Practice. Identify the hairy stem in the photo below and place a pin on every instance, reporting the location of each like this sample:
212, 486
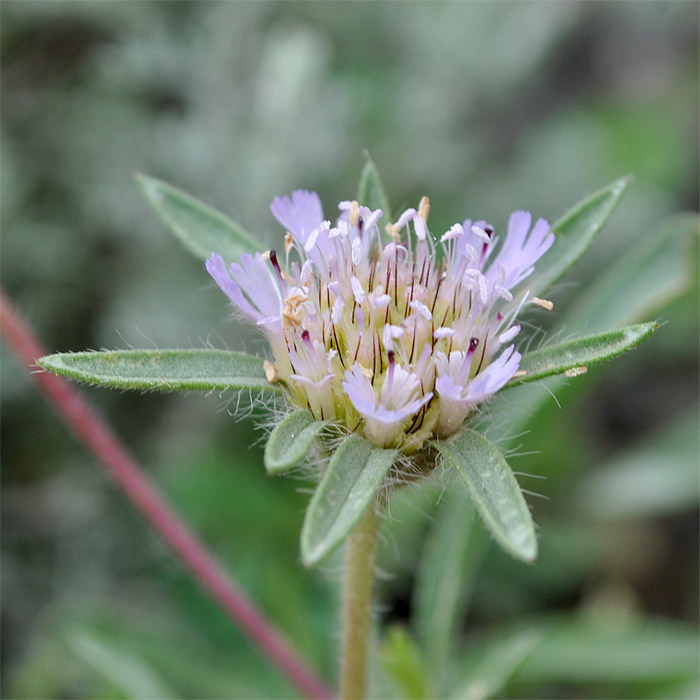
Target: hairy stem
357, 599
98, 438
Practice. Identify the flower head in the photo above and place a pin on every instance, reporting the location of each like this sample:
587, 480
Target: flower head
390, 333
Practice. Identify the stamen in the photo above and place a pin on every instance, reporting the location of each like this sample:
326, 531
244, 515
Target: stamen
394, 231
271, 372
354, 213
544, 303
390, 372
424, 208
288, 242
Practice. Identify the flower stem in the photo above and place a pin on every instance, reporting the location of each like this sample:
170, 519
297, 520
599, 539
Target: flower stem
98, 438
357, 599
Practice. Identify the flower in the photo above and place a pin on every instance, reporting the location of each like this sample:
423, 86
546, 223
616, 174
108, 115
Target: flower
391, 333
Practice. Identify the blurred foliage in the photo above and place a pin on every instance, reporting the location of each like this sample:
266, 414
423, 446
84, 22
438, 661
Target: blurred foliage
485, 107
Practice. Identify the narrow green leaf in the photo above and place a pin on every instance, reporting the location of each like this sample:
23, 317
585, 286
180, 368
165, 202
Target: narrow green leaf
596, 649
201, 228
290, 441
494, 492
126, 671
652, 273
498, 662
657, 476
371, 191
353, 476
165, 370
402, 660
447, 568
576, 356
575, 231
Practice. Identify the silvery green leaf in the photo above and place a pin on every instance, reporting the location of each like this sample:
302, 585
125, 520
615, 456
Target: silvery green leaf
494, 492
165, 370
575, 231
354, 474
575, 356
201, 228
290, 441
371, 191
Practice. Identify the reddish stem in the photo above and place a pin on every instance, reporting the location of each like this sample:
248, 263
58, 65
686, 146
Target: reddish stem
80, 416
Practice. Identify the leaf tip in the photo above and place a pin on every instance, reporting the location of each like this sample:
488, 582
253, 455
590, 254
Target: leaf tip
529, 552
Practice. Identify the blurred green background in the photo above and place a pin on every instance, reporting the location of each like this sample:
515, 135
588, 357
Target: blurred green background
485, 107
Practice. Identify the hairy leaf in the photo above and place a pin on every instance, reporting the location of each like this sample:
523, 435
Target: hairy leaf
290, 441
575, 356
201, 228
494, 492
165, 370
575, 231
352, 478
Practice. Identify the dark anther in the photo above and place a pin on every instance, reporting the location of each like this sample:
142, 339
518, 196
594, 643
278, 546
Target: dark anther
473, 344
488, 230
273, 260
305, 336
391, 356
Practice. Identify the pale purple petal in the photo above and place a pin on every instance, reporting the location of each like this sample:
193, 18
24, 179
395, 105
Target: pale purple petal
446, 387
495, 376
256, 278
360, 391
300, 214
521, 249
388, 416
216, 267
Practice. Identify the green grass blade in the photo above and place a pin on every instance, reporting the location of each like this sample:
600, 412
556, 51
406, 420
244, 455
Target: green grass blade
354, 474
201, 228
165, 370
290, 441
576, 356
494, 492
